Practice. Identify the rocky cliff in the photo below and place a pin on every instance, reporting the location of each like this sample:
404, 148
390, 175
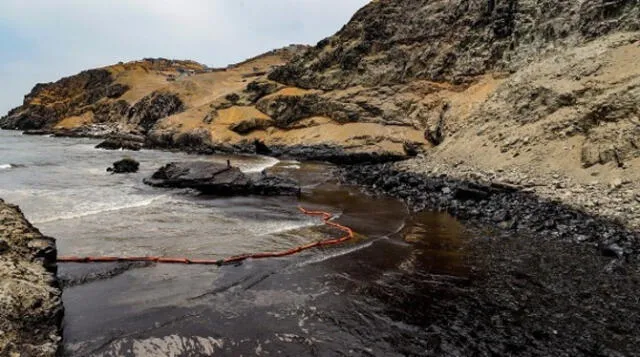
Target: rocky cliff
390, 42
104, 95
511, 75
30, 298
499, 83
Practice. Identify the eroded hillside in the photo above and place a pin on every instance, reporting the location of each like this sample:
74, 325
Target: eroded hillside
496, 83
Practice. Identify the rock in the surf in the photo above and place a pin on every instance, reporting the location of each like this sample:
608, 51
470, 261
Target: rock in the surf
220, 179
270, 185
124, 142
124, 166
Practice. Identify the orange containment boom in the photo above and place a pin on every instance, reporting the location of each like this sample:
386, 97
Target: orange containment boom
326, 217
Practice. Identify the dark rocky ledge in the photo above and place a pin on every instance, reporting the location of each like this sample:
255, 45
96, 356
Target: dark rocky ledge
30, 298
220, 179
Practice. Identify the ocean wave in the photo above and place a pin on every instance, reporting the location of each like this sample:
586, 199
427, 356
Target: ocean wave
172, 345
86, 213
324, 257
10, 166
260, 166
294, 167
262, 228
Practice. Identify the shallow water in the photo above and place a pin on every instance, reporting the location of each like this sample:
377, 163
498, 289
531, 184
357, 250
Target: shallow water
356, 299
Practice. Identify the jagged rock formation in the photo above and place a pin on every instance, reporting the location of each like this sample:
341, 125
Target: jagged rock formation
220, 179
153, 107
390, 42
30, 298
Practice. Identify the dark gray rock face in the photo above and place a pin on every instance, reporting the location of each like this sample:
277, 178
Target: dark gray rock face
124, 166
116, 90
30, 298
394, 41
110, 112
196, 141
155, 106
288, 110
219, 179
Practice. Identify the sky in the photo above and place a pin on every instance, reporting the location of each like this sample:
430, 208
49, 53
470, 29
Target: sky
45, 40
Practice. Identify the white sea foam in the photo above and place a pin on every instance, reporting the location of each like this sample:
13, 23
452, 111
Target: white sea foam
263, 228
265, 163
172, 345
5, 166
323, 257
295, 167
101, 208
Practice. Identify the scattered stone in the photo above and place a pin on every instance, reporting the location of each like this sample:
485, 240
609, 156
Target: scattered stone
615, 184
504, 206
124, 166
615, 266
612, 250
467, 193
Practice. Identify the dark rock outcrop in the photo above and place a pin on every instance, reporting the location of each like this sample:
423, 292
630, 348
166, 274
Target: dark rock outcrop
30, 298
219, 179
116, 90
124, 166
155, 106
246, 126
122, 141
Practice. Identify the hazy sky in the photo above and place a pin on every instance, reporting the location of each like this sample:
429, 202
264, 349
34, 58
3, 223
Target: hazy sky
44, 40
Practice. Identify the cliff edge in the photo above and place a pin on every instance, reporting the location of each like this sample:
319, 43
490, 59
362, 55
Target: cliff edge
30, 298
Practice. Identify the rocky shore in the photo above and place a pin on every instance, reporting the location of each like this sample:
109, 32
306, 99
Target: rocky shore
552, 276
30, 298
544, 208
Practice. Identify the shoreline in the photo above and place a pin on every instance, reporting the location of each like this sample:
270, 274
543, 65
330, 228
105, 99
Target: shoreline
326, 153
617, 201
521, 223
506, 207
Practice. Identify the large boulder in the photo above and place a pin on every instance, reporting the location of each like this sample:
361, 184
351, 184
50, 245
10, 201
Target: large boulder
124, 166
219, 179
